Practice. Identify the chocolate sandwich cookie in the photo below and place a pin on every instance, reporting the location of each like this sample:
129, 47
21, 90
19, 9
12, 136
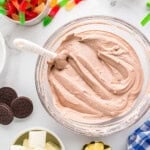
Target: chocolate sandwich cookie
6, 114
7, 94
22, 107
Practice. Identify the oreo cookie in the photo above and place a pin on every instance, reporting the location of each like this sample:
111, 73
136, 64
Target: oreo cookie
7, 94
22, 107
6, 114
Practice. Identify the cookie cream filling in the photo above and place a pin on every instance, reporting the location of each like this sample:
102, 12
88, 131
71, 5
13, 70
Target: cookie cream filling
96, 76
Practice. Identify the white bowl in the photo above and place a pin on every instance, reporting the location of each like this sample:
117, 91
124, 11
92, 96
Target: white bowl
2, 53
51, 135
35, 20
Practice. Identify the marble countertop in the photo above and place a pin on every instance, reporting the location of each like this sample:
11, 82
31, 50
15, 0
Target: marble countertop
20, 69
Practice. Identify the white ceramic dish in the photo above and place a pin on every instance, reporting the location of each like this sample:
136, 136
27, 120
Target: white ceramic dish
2, 53
51, 136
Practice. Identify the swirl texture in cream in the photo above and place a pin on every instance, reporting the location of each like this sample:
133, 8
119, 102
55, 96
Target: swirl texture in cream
96, 76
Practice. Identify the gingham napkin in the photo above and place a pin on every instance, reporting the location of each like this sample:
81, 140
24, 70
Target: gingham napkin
140, 138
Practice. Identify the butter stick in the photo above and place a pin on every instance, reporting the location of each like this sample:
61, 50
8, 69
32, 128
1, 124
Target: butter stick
17, 147
37, 139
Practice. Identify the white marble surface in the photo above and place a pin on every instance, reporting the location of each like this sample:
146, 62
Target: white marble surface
20, 67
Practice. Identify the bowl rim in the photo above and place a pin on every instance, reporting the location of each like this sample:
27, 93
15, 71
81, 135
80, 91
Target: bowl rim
87, 18
2, 41
41, 129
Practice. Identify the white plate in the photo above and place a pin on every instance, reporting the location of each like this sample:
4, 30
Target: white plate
2, 53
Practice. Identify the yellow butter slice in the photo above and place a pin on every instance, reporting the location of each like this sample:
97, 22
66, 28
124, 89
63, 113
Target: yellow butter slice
52, 146
26, 143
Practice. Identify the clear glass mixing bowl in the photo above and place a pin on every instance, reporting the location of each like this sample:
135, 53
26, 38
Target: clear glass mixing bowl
134, 37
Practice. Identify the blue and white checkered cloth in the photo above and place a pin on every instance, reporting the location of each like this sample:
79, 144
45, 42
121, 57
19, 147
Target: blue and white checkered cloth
140, 138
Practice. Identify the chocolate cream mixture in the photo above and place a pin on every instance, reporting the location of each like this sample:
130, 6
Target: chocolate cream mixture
96, 76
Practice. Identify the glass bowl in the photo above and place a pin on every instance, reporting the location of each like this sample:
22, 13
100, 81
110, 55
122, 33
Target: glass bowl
134, 37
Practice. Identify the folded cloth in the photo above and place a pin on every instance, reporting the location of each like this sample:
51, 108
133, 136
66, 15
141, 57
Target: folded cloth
140, 138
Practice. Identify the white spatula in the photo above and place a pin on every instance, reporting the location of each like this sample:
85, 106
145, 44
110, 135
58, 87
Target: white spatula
25, 45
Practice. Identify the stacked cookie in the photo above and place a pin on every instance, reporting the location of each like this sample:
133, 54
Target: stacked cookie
11, 105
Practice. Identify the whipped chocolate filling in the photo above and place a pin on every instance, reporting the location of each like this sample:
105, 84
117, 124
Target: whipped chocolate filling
96, 76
